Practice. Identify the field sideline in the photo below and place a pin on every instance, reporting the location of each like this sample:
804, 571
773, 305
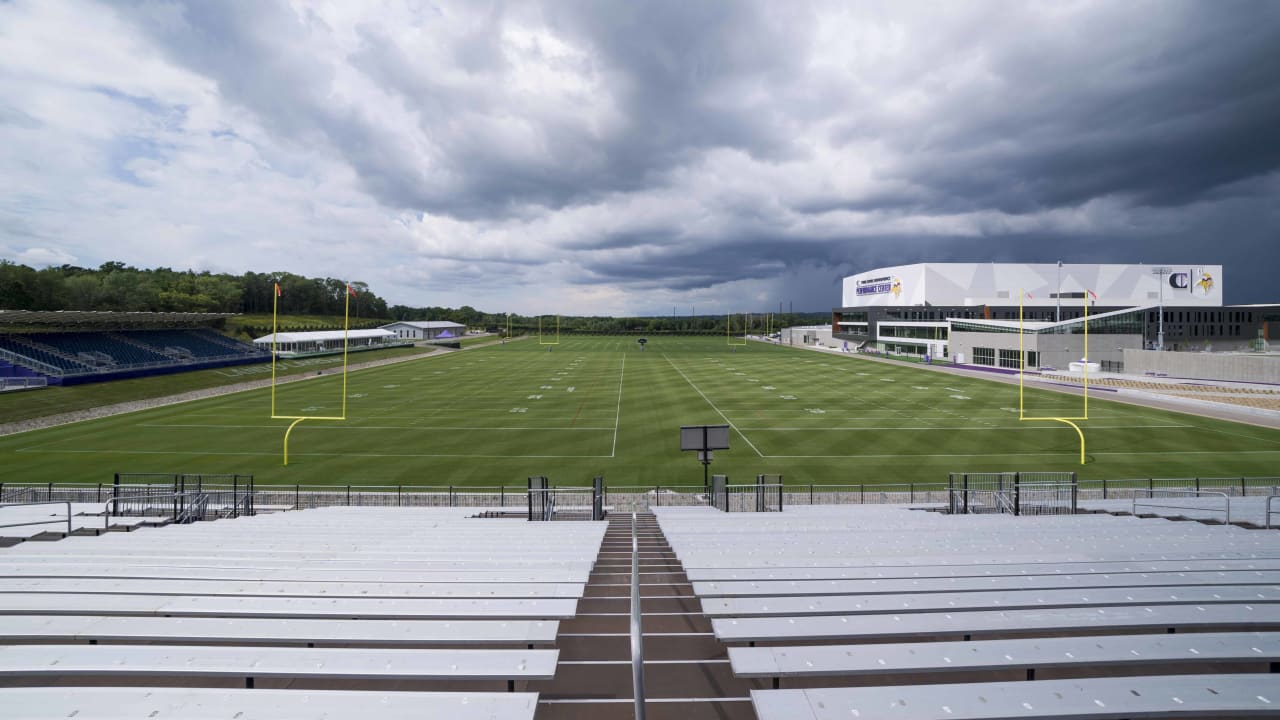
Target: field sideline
497, 414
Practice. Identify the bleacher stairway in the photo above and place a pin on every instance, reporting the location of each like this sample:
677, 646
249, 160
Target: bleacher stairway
686, 670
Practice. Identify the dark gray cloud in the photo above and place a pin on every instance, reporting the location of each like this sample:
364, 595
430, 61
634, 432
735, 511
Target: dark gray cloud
679, 149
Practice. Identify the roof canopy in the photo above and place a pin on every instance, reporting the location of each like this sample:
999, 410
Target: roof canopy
427, 324
322, 336
89, 318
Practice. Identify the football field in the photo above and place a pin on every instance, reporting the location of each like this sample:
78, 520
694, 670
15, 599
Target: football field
598, 405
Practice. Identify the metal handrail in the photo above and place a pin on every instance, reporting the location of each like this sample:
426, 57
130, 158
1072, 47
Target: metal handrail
1269, 510
1226, 500
1004, 501
42, 522
197, 505
106, 516
30, 362
637, 639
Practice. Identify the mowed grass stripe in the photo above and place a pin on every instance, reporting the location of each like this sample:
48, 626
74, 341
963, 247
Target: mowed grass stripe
468, 418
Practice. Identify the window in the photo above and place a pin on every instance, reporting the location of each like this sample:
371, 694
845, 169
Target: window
1033, 358
1010, 359
984, 356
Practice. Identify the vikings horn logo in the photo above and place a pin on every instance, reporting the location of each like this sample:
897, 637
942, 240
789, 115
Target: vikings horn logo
897, 288
1205, 283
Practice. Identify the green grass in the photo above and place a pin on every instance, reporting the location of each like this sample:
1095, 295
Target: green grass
26, 405
497, 414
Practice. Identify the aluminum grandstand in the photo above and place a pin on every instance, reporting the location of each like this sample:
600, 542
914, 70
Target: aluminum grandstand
682, 612
69, 347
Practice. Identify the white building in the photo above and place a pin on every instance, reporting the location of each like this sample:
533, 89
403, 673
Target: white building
426, 329
325, 342
970, 312
1040, 285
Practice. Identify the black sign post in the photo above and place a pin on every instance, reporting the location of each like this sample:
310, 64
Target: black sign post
704, 439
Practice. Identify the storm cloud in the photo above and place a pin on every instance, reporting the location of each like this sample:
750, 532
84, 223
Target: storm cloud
622, 157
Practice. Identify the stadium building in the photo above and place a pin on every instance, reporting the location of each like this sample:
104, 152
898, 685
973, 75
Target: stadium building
426, 329
970, 313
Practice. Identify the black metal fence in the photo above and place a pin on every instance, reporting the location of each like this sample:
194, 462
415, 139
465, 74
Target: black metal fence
546, 502
764, 495
1014, 493
246, 496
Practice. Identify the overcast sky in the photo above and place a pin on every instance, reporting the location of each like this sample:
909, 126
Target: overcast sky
594, 157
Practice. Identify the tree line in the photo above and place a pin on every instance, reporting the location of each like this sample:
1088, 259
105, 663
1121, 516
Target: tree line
114, 286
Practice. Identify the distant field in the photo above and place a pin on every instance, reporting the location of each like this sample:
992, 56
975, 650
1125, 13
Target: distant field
16, 406
592, 406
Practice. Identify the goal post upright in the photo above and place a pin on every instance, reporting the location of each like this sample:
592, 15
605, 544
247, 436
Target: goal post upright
1022, 363
541, 340
346, 344
728, 331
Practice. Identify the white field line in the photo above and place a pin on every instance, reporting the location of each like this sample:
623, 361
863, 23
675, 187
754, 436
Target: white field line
713, 406
366, 427
1036, 454
117, 451
956, 429
617, 418
1234, 434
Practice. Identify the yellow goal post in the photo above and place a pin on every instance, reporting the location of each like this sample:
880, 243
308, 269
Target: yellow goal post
275, 332
1022, 362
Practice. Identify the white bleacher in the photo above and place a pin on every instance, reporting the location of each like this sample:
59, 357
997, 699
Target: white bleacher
761, 606
276, 662
411, 595
1148, 618
992, 567
1164, 696
275, 588
1250, 509
52, 519
101, 703
912, 596
287, 607
893, 586
37, 568
1027, 653
289, 631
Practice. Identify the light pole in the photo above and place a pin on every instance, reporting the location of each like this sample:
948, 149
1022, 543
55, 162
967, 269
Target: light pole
1057, 316
1160, 272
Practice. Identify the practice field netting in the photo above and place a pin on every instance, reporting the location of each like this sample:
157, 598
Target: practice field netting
599, 406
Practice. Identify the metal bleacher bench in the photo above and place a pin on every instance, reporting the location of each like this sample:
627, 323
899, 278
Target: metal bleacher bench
287, 607
907, 625
272, 588
274, 631
891, 586
1024, 653
974, 569
1161, 696
982, 600
185, 661
12, 568
93, 703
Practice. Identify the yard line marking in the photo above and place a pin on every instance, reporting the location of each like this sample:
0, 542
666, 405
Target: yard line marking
35, 451
367, 427
713, 405
954, 429
617, 418
1034, 454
